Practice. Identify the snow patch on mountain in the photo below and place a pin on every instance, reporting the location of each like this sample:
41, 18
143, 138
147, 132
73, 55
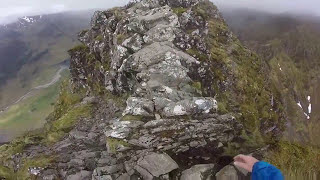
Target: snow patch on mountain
307, 114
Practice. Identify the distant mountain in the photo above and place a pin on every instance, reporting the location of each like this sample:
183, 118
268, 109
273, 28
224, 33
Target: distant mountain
22, 22
290, 44
32, 48
33, 38
33, 54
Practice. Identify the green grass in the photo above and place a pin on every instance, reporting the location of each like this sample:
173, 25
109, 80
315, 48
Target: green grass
131, 118
295, 160
65, 124
80, 47
99, 38
67, 111
40, 161
121, 38
30, 113
179, 11
239, 82
113, 144
6, 173
197, 54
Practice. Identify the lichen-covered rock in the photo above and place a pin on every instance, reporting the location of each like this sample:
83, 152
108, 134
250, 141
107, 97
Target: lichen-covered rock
139, 106
133, 43
166, 110
190, 107
198, 172
158, 164
230, 173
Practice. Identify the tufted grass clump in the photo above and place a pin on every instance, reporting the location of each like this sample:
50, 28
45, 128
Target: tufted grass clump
197, 85
6, 173
114, 144
80, 47
205, 9
99, 38
121, 38
131, 118
67, 112
239, 81
65, 124
39, 161
295, 160
179, 10
197, 54
66, 100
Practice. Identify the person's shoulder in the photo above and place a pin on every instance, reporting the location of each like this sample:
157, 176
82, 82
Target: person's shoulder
264, 170
260, 165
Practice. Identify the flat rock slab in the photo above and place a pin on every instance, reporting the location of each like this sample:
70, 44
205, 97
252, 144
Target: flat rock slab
197, 172
158, 164
231, 173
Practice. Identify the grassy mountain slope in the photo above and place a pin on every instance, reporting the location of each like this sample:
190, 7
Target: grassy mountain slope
290, 44
41, 52
237, 78
30, 54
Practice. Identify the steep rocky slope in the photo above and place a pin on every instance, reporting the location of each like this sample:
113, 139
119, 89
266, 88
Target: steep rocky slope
36, 38
160, 89
32, 51
290, 45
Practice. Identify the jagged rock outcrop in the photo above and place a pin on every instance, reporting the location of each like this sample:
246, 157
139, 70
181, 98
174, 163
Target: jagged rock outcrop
165, 111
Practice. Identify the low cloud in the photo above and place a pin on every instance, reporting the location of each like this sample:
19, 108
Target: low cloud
11, 9
274, 6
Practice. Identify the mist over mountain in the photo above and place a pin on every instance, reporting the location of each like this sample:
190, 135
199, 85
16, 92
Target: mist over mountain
30, 39
272, 6
33, 61
163, 89
290, 44
12, 10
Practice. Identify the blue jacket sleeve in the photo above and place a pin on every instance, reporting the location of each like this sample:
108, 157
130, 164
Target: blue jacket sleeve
265, 171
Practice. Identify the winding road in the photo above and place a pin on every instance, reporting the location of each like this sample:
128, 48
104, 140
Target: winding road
54, 80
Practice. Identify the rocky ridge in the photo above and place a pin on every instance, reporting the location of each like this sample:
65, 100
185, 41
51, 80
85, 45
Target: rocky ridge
164, 112
169, 127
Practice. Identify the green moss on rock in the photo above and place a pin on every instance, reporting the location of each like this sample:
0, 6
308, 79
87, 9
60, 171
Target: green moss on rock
197, 85
39, 161
6, 173
131, 118
197, 54
179, 11
99, 38
67, 112
65, 124
239, 79
80, 47
121, 38
113, 144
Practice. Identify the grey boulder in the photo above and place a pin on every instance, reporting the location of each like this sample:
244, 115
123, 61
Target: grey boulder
158, 164
197, 172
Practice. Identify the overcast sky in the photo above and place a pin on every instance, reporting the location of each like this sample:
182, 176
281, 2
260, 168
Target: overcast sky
14, 8
275, 6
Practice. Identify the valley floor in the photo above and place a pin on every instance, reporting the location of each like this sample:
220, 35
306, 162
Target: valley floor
30, 110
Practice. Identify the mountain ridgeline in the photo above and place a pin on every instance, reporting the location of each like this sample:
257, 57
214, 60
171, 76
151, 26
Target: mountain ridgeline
290, 45
35, 38
159, 89
33, 50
